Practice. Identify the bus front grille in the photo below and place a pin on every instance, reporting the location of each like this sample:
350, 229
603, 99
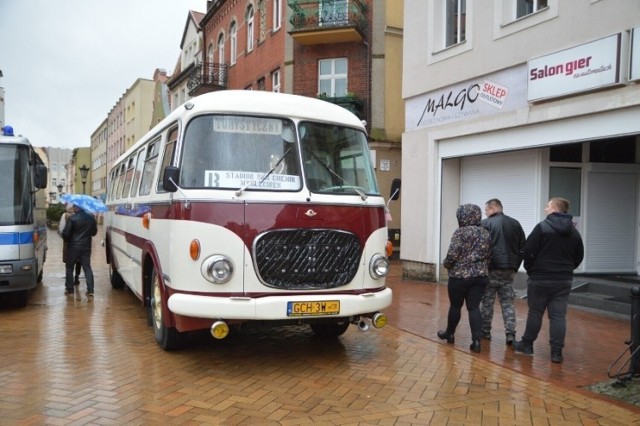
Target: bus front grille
306, 259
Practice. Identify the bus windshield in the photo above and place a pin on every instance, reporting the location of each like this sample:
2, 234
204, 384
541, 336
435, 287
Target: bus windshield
233, 152
15, 199
261, 153
336, 159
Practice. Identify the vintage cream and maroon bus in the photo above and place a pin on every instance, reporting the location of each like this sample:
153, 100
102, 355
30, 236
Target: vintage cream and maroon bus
248, 206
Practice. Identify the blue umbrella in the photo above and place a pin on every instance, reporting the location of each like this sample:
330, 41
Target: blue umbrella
85, 202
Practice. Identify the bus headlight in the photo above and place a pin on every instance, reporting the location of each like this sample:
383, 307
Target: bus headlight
378, 266
218, 269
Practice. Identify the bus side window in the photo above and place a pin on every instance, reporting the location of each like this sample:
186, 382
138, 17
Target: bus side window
167, 159
137, 173
128, 177
119, 180
149, 167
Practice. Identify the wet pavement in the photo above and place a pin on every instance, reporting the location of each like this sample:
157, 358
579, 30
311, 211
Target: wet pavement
67, 360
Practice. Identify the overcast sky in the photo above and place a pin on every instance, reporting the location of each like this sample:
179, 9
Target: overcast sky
66, 63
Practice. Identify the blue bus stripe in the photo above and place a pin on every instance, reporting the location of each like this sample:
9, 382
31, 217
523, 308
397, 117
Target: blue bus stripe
12, 238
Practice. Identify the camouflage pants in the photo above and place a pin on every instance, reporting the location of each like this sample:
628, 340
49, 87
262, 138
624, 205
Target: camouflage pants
500, 283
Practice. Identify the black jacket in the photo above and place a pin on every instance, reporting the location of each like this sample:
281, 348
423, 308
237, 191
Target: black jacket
79, 230
507, 241
554, 249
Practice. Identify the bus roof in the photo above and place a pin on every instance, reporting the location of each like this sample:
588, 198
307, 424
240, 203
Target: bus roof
17, 140
255, 102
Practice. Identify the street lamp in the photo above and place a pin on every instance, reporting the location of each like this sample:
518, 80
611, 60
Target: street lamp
51, 195
84, 170
60, 188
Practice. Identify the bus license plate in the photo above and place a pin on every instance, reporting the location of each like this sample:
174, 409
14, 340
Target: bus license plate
321, 307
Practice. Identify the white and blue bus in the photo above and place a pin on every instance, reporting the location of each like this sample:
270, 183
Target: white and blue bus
23, 219
248, 206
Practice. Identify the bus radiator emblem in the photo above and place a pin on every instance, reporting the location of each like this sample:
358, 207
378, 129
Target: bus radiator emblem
310, 213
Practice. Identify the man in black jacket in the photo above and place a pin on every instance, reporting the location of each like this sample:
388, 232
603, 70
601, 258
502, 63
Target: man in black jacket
80, 228
552, 252
507, 248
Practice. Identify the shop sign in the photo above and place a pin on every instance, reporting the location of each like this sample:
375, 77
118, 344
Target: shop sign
586, 67
634, 68
501, 91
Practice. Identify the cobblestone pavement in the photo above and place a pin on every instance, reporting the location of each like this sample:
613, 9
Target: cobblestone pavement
70, 361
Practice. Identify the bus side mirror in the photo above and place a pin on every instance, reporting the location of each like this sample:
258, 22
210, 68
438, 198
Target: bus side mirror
40, 176
395, 189
170, 178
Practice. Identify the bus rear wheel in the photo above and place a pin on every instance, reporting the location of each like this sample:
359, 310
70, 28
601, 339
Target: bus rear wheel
330, 329
168, 338
114, 276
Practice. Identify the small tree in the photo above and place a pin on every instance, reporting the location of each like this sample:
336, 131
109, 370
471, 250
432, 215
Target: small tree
54, 212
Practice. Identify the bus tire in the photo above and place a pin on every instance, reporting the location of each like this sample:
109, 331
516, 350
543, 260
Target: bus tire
330, 329
116, 279
168, 338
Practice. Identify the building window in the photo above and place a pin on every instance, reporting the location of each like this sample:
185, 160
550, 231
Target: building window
221, 49
275, 81
249, 20
277, 14
332, 78
262, 10
210, 53
455, 17
527, 7
233, 42
334, 12
261, 84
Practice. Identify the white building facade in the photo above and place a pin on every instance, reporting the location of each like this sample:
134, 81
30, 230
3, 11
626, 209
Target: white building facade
522, 100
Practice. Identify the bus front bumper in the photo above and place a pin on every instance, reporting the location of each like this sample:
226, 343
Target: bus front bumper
275, 307
22, 275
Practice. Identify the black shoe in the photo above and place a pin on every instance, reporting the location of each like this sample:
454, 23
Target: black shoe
475, 346
556, 356
486, 335
68, 291
511, 338
77, 281
523, 347
445, 335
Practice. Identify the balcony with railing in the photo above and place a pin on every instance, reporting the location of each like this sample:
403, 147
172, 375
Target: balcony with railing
349, 101
207, 77
327, 21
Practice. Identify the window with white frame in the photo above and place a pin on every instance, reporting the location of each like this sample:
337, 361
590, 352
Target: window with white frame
277, 14
275, 81
215, 72
527, 7
332, 77
250, 30
455, 22
233, 42
210, 53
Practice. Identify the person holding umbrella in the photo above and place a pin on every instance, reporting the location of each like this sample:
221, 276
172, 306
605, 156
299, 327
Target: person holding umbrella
78, 232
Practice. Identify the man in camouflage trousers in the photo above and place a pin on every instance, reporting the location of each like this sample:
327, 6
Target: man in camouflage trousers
507, 248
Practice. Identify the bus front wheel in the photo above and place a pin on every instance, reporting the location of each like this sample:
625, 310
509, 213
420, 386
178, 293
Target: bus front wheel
168, 338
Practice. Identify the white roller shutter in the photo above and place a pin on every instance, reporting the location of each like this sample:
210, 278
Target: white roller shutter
512, 177
611, 222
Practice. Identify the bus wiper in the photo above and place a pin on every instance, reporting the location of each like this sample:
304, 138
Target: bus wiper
341, 179
275, 166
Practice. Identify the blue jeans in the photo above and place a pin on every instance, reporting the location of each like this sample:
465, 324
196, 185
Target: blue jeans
469, 291
84, 257
552, 296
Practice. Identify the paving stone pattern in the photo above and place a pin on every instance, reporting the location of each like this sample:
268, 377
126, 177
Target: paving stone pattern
66, 360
